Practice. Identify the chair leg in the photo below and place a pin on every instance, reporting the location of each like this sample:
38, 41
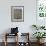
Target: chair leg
5, 43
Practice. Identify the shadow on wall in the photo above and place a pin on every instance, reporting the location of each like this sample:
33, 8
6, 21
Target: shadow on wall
3, 33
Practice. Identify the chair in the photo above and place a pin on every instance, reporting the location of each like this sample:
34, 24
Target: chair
14, 32
7, 35
25, 36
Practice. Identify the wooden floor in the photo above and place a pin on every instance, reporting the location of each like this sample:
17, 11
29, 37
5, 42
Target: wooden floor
13, 44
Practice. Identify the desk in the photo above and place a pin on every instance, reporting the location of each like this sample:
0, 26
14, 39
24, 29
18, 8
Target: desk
17, 43
8, 34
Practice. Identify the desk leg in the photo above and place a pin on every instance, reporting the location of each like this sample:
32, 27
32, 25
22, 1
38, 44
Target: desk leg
17, 40
5, 40
5, 43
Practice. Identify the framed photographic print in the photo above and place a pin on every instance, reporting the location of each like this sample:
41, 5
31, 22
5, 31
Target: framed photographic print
17, 13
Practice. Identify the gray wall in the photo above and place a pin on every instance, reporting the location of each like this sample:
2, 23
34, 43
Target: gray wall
29, 15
